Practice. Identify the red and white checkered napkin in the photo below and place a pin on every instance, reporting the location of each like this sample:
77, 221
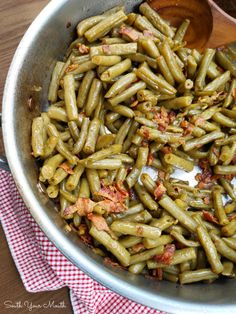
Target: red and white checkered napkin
42, 267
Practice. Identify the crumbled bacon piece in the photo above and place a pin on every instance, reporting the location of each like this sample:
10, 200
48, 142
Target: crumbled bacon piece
163, 119
137, 248
206, 200
234, 93
131, 33
233, 217
209, 217
146, 133
99, 222
150, 159
166, 149
199, 121
159, 191
140, 230
71, 67
66, 168
112, 207
106, 49
82, 48
234, 160
215, 151
167, 256
83, 206
158, 273
161, 174
187, 126
109, 261
148, 33
113, 192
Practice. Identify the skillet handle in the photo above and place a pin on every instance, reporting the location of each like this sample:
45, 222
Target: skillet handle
3, 160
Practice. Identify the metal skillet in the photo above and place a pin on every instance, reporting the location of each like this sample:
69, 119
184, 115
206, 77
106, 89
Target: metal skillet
45, 41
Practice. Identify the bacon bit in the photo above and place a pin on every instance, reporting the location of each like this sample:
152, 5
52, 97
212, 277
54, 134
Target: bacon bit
209, 217
144, 143
187, 126
148, 33
229, 177
109, 261
134, 104
66, 168
83, 206
137, 248
234, 160
121, 189
163, 119
131, 33
206, 200
99, 222
106, 49
161, 174
171, 116
199, 121
167, 256
140, 231
215, 151
82, 229
232, 217
204, 164
234, 93
113, 192
71, 67
159, 191
150, 159
166, 149
146, 133
82, 48
158, 273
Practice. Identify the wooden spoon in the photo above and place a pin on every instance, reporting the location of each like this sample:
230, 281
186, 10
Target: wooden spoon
210, 26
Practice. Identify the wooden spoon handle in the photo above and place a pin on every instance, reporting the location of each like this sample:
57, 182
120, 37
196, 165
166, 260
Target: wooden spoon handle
224, 27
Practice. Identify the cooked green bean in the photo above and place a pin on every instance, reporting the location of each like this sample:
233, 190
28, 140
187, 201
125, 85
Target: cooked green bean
179, 257
145, 197
85, 88
82, 136
143, 24
181, 31
152, 243
121, 84
197, 275
70, 99
204, 65
153, 80
74, 178
104, 26
165, 71
209, 249
54, 84
116, 70
225, 170
93, 180
230, 229
198, 142
146, 255
218, 82
137, 268
37, 140
156, 20
127, 94
114, 49
225, 62
223, 248
185, 220
219, 209
93, 131
173, 66
111, 245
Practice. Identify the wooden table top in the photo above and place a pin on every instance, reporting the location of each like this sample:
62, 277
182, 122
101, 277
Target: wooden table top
15, 17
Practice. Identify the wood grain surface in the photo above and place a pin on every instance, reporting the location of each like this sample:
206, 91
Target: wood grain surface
15, 17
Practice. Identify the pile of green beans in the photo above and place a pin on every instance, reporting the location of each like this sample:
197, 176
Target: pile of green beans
129, 96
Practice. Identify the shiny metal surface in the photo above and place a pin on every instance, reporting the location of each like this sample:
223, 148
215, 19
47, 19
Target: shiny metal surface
45, 41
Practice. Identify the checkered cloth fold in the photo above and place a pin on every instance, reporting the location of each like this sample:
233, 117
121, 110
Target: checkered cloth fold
42, 267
